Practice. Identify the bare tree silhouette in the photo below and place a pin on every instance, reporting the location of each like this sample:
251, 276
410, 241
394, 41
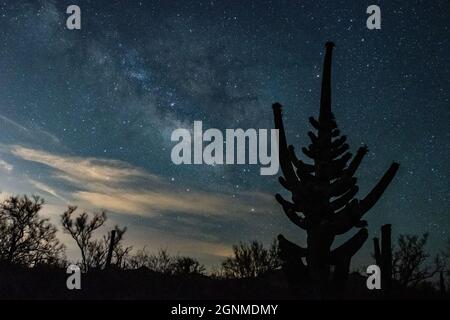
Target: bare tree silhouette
121, 255
323, 193
409, 259
94, 252
25, 237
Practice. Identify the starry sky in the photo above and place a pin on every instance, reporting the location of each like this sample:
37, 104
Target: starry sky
86, 115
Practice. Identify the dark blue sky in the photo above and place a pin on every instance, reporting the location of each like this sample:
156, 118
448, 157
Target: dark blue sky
86, 115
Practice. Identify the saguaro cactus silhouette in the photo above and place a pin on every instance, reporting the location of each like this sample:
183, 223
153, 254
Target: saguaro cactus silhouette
383, 257
112, 243
323, 194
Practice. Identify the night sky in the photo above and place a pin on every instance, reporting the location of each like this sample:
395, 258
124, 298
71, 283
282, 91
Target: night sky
86, 115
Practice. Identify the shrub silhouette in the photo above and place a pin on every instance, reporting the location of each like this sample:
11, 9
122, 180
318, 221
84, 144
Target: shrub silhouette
164, 263
250, 260
161, 262
137, 260
188, 265
323, 192
25, 237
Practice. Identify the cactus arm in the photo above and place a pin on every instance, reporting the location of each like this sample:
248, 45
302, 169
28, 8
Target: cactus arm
289, 248
342, 161
344, 199
345, 219
341, 186
341, 258
314, 123
289, 210
285, 163
338, 142
298, 187
377, 251
386, 258
307, 152
293, 266
285, 184
312, 137
336, 167
369, 201
339, 151
354, 164
325, 115
335, 133
299, 164
350, 247
304, 176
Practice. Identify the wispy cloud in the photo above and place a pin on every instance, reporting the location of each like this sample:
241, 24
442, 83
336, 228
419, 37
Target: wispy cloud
120, 187
155, 202
159, 212
45, 188
83, 169
14, 123
33, 133
6, 166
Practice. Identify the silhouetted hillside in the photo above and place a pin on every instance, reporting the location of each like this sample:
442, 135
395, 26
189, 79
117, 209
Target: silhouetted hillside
50, 283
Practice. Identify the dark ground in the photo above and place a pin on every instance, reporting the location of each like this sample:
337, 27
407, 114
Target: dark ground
50, 283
